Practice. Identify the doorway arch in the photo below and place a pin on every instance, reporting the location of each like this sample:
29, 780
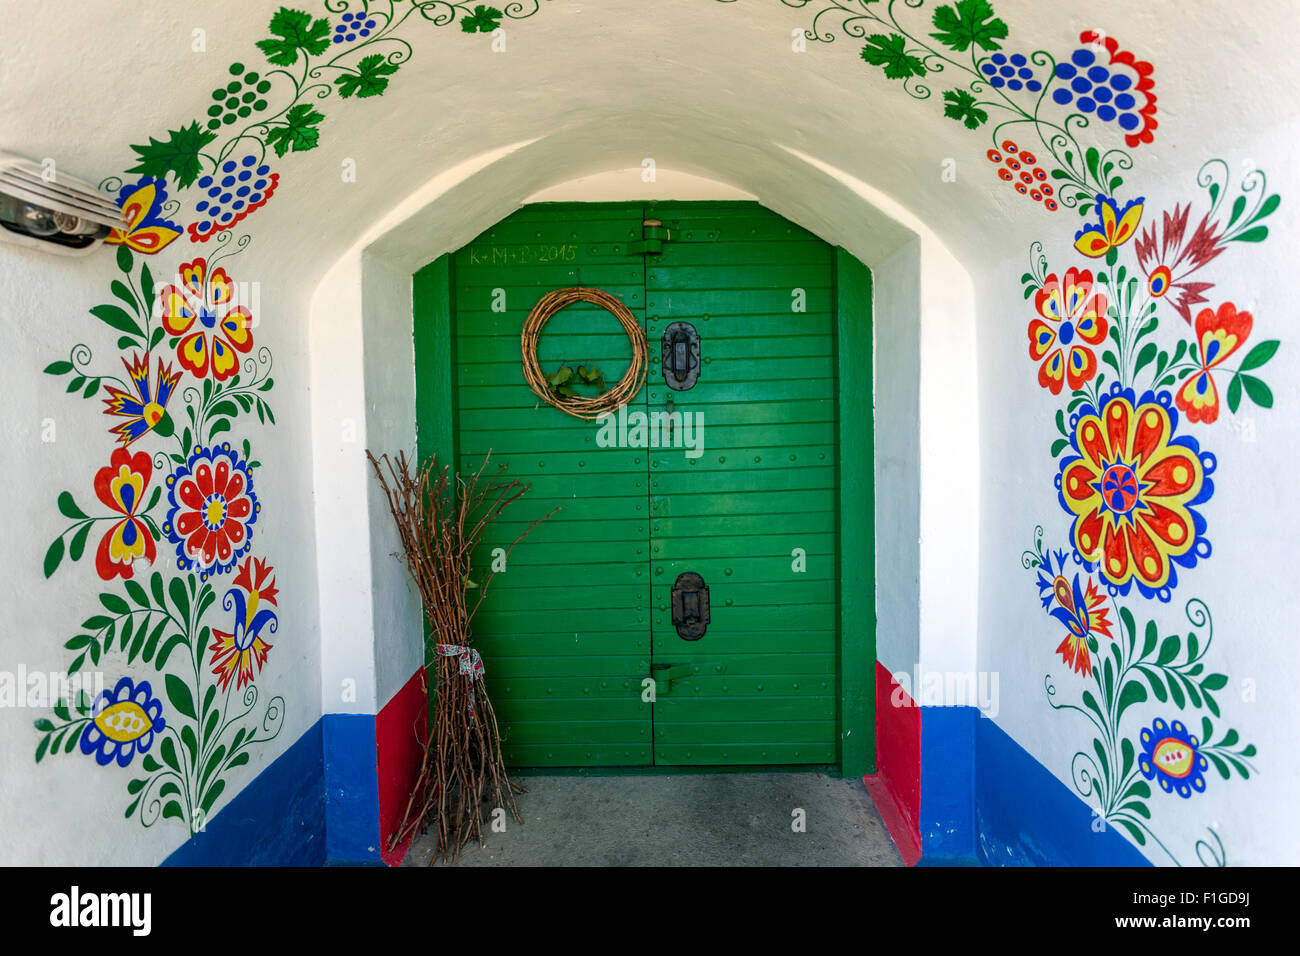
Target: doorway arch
363, 375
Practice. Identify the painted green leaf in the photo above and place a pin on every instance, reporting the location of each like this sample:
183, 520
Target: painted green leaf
890, 52
1234, 394
53, 556
124, 259
114, 603
151, 644
967, 22
294, 30
1168, 649
213, 762
1176, 691
191, 743
1259, 393
58, 368
168, 751
212, 795
1134, 831
1102, 762
299, 132
1256, 234
136, 593
42, 747
180, 597
1149, 639
166, 651
1133, 693
1059, 446
1260, 354
371, 78
1215, 682
960, 105
484, 19
150, 764
117, 318
179, 155
179, 695
173, 810
1157, 685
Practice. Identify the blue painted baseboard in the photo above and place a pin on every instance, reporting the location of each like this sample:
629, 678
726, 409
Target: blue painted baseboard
1028, 817
351, 790
986, 801
948, 755
277, 820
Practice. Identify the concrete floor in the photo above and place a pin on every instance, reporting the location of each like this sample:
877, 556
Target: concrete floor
712, 819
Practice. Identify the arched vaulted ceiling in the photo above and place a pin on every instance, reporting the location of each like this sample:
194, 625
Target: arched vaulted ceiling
705, 86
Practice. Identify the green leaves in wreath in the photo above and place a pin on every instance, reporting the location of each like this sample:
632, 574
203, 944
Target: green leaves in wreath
294, 31
299, 132
890, 52
563, 380
969, 22
484, 19
960, 105
178, 155
369, 79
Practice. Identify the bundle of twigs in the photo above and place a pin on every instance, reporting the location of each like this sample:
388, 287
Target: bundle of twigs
441, 518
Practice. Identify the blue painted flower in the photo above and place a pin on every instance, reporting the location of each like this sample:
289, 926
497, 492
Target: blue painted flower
1081, 610
1171, 756
212, 511
1133, 488
1012, 72
123, 721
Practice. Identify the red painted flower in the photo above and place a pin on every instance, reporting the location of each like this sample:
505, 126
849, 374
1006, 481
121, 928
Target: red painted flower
1071, 309
242, 652
212, 510
1082, 611
1218, 335
1167, 257
223, 330
121, 486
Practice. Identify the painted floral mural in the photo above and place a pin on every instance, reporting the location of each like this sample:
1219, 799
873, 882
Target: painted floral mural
1126, 322
1128, 329
191, 600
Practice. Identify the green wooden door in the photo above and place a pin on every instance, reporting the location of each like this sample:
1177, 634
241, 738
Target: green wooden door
755, 513
581, 616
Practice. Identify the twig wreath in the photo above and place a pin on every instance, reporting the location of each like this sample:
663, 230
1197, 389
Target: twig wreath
578, 405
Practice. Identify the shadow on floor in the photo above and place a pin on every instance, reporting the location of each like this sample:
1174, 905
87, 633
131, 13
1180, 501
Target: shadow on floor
720, 819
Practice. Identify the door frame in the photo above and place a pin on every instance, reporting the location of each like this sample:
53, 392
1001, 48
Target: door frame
435, 404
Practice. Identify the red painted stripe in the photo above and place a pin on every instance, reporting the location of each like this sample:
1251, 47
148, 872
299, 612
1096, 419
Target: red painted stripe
895, 788
399, 729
